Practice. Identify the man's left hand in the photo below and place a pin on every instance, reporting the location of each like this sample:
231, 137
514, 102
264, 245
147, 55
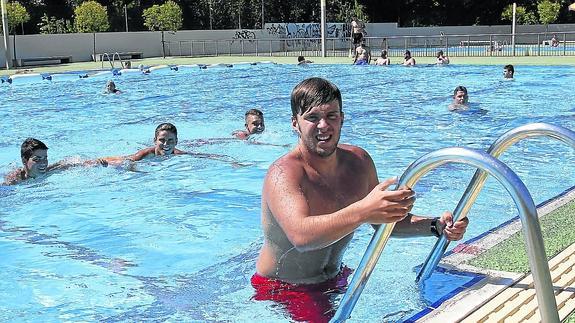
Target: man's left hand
453, 231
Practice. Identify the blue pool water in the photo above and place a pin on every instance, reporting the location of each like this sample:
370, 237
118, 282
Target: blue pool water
176, 240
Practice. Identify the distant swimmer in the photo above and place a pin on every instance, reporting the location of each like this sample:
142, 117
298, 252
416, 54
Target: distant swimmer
407, 59
111, 88
442, 59
383, 60
460, 99
254, 119
34, 156
508, 71
302, 61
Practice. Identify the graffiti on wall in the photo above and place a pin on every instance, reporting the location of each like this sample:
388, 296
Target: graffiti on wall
245, 34
299, 31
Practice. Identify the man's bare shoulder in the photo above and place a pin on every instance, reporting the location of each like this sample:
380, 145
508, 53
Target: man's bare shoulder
289, 165
354, 152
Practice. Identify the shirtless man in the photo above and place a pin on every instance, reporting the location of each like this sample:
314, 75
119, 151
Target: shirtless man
254, 124
508, 71
357, 31
313, 200
442, 59
362, 55
383, 60
34, 155
460, 99
407, 59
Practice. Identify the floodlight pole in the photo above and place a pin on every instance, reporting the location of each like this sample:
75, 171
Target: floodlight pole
6, 35
126, 15
513, 29
322, 28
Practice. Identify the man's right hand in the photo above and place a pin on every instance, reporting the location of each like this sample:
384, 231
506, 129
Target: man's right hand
383, 206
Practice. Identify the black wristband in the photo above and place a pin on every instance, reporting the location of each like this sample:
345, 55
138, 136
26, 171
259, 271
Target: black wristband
434, 228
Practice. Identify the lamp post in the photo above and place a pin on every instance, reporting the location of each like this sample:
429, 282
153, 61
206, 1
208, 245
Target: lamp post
263, 14
7, 53
322, 5
126, 15
513, 29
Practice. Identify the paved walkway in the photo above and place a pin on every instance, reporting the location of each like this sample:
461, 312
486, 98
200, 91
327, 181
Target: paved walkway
518, 302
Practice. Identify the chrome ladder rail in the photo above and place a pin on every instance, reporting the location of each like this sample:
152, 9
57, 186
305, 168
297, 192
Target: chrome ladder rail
522, 199
119, 59
478, 180
109, 60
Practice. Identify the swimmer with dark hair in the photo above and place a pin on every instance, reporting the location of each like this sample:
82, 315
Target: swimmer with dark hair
165, 141
34, 156
460, 99
111, 88
254, 124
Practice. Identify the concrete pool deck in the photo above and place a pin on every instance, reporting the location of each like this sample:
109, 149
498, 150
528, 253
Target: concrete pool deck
84, 66
507, 293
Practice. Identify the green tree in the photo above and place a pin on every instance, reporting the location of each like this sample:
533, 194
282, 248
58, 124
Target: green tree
548, 11
163, 17
17, 15
520, 12
91, 17
51, 25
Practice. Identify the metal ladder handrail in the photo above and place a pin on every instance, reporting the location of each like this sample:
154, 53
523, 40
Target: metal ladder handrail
522, 199
478, 180
119, 58
102, 59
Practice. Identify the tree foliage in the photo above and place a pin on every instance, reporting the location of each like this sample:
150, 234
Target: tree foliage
17, 14
227, 14
163, 17
91, 17
548, 11
52, 25
522, 15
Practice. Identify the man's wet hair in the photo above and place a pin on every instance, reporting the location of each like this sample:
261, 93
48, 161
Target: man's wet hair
439, 53
165, 127
509, 67
407, 53
300, 58
460, 88
254, 112
383, 54
28, 147
313, 92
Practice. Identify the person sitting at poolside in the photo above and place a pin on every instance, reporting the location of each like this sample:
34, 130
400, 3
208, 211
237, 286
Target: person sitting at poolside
383, 60
302, 61
111, 88
554, 41
442, 59
254, 124
508, 71
407, 59
362, 55
460, 99
313, 200
34, 156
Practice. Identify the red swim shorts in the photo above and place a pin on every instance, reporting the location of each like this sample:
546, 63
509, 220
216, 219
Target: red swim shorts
303, 302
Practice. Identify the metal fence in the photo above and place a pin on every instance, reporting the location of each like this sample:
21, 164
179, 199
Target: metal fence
477, 45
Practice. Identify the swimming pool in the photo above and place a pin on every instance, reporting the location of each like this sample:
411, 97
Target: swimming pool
176, 240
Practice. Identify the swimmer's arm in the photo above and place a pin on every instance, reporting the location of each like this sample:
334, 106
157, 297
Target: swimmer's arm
240, 134
141, 154
13, 177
